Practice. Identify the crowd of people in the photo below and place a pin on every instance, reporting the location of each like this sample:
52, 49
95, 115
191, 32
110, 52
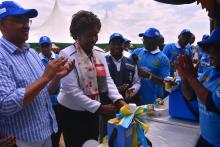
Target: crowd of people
76, 91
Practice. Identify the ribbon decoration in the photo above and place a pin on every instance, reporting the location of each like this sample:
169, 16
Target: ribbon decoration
126, 117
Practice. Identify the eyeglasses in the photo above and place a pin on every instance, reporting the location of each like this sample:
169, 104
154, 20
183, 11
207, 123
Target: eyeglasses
19, 20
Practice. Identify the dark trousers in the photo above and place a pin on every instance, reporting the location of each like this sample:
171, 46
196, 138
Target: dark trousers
78, 126
55, 137
103, 122
103, 119
203, 143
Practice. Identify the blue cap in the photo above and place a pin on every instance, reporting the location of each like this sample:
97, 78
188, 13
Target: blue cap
152, 33
126, 40
205, 36
214, 37
116, 35
44, 40
10, 8
185, 31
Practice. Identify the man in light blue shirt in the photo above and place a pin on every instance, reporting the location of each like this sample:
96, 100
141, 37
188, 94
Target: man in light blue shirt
153, 66
47, 55
173, 50
26, 111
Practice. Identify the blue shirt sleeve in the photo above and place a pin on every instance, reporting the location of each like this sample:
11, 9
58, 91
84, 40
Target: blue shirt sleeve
189, 50
167, 50
136, 52
213, 101
165, 67
11, 97
216, 97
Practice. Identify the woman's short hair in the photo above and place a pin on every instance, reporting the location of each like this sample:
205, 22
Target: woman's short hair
81, 21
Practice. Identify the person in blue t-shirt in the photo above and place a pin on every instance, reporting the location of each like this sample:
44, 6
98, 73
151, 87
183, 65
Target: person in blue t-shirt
204, 61
173, 50
198, 49
46, 55
153, 66
207, 89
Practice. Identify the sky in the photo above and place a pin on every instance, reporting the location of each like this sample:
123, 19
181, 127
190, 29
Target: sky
128, 17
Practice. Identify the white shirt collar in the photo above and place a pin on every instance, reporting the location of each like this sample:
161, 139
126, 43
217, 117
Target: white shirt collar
155, 51
53, 56
125, 53
178, 45
118, 61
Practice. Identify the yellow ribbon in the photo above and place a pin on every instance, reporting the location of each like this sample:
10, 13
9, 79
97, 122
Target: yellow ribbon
140, 111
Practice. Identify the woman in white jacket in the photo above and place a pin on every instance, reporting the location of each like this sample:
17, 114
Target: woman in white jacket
81, 90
